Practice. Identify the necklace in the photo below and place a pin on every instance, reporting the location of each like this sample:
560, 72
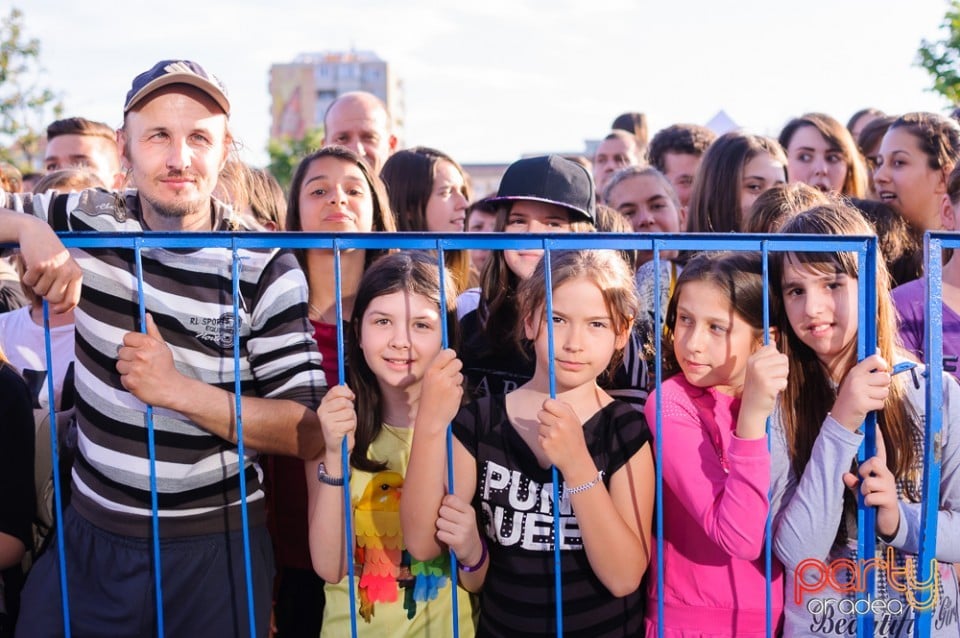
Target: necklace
315, 310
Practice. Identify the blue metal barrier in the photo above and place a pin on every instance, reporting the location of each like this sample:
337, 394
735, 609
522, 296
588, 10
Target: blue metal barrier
866, 247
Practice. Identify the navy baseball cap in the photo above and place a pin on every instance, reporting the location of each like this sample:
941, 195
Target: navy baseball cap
553, 180
167, 72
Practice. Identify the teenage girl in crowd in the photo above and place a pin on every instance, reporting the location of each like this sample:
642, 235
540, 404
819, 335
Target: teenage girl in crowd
537, 194
716, 467
822, 153
503, 451
396, 328
910, 300
332, 191
735, 170
868, 141
917, 154
819, 428
647, 199
428, 192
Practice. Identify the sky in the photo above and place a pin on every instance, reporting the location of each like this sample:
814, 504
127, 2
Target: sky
488, 81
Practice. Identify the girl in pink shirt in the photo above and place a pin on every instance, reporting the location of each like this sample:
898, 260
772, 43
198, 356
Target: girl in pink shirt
715, 461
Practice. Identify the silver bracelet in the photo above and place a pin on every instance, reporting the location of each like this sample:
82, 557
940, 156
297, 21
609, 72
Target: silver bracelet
570, 491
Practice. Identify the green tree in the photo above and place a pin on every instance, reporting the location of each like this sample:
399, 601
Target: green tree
286, 153
25, 108
941, 58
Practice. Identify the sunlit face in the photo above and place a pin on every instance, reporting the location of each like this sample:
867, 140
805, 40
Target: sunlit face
532, 217
649, 207
96, 154
813, 160
584, 339
760, 174
822, 311
680, 169
480, 222
175, 145
400, 335
710, 340
611, 156
335, 197
447, 206
360, 123
905, 180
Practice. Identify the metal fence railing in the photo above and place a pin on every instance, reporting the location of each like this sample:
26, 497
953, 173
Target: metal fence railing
866, 247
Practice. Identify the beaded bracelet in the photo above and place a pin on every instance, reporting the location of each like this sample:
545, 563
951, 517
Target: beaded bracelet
483, 558
586, 486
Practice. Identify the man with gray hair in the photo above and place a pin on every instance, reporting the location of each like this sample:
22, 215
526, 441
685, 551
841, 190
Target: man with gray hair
174, 141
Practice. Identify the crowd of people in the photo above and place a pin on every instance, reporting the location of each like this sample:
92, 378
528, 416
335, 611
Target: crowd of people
550, 397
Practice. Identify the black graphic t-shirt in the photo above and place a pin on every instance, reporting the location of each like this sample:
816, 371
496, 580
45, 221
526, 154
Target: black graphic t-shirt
515, 500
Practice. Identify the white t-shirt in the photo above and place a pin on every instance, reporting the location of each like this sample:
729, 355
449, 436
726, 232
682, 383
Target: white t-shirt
23, 342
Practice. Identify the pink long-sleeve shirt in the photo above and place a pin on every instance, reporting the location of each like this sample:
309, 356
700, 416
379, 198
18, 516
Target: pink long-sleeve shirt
715, 504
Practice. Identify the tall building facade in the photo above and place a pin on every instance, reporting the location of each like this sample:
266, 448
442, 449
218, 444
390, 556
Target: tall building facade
302, 90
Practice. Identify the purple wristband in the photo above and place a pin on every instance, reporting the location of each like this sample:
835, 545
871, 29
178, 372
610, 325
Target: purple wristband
483, 558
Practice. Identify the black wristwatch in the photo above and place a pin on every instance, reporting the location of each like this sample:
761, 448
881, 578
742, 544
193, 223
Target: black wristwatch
325, 478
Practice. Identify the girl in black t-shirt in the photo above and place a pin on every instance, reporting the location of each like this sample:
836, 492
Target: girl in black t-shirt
499, 520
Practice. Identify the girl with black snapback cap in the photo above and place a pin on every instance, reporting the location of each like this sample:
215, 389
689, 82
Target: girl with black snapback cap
537, 194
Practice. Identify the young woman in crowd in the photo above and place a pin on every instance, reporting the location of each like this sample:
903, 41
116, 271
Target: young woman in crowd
716, 465
647, 199
822, 153
502, 455
332, 190
868, 141
537, 194
428, 192
396, 334
910, 299
916, 156
734, 172
819, 429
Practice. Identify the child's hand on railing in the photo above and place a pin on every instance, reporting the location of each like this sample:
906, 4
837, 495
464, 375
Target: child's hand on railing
441, 392
863, 390
765, 377
338, 418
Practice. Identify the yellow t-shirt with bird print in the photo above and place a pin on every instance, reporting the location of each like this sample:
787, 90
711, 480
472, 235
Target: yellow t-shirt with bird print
396, 596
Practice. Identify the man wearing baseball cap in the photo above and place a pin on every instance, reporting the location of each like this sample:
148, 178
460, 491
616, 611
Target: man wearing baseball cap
174, 142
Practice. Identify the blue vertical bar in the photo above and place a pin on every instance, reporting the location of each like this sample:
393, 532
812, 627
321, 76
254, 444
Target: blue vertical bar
445, 343
152, 450
768, 526
658, 439
242, 460
344, 453
55, 459
933, 347
548, 315
867, 345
